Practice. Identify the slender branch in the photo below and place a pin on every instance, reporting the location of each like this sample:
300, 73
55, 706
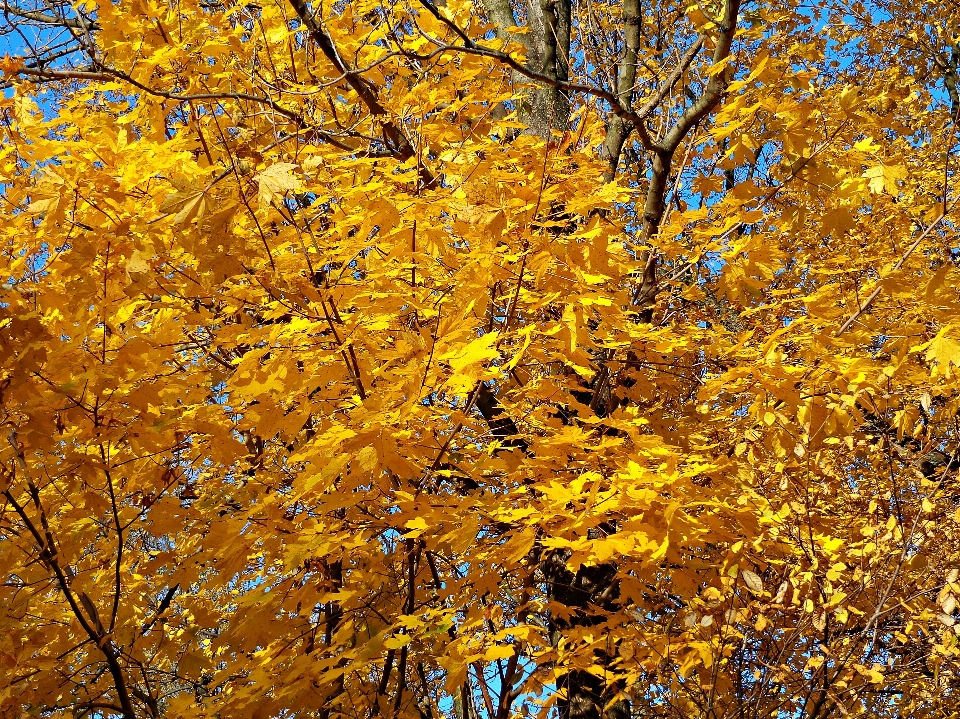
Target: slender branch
116, 520
49, 554
716, 85
161, 608
77, 23
403, 149
900, 263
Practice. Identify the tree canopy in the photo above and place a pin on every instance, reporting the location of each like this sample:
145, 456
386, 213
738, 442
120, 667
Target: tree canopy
574, 359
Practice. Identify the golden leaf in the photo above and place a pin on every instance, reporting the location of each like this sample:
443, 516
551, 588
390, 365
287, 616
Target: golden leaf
276, 181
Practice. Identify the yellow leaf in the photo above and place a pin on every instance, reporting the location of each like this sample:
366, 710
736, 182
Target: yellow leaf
466, 362
848, 98
417, 526
499, 651
943, 350
397, 641
276, 181
884, 177
185, 204
46, 204
138, 262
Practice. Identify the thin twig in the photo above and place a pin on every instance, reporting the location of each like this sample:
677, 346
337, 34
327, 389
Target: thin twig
876, 292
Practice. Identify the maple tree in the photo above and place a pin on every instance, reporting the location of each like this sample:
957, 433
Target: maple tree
481, 359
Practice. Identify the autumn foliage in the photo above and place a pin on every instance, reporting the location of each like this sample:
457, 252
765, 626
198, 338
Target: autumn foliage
479, 359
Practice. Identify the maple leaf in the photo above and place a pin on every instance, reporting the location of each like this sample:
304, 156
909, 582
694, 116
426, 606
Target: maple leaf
276, 181
885, 177
186, 204
944, 351
467, 362
138, 263
50, 191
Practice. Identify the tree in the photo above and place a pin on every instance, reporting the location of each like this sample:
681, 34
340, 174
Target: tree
479, 359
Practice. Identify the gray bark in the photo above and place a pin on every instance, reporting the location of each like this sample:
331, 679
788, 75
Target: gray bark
543, 109
619, 129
